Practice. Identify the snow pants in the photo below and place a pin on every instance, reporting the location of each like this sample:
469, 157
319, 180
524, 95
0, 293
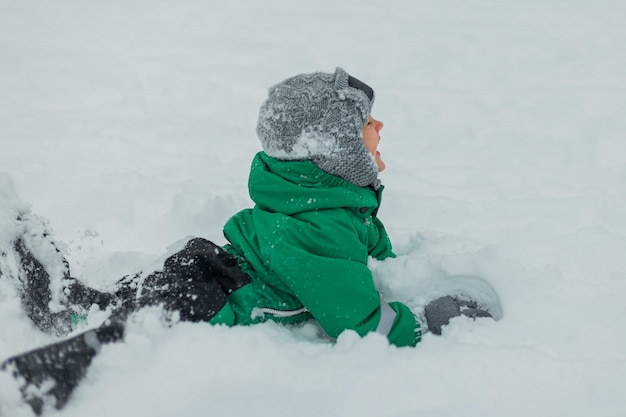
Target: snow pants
194, 283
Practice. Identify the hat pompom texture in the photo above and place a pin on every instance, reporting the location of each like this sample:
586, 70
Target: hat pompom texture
319, 117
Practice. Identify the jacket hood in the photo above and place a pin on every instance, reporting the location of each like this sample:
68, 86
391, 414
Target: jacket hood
292, 187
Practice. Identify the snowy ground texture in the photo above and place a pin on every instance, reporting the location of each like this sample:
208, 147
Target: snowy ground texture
129, 124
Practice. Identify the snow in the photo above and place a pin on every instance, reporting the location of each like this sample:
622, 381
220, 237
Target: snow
130, 125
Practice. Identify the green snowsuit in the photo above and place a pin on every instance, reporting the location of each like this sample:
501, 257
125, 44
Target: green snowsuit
305, 246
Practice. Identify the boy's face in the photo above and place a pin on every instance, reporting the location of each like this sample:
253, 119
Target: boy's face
371, 137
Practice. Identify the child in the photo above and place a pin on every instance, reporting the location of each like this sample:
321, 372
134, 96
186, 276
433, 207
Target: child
299, 254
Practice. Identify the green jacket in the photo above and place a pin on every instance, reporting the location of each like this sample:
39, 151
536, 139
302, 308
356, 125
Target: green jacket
305, 245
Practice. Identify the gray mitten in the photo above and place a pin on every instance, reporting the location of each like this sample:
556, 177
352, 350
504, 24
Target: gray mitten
439, 312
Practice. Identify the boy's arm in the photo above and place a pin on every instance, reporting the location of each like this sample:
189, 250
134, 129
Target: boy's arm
328, 273
382, 250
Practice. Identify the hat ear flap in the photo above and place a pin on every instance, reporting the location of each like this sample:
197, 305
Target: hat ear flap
350, 88
360, 85
341, 79
346, 156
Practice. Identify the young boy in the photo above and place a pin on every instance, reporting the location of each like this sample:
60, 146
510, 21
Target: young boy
299, 254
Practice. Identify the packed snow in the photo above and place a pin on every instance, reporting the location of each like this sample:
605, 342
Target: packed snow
130, 125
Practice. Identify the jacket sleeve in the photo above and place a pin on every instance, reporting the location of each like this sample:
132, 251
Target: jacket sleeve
324, 263
382, 250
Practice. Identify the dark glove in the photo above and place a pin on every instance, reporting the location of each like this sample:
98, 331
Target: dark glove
439, 312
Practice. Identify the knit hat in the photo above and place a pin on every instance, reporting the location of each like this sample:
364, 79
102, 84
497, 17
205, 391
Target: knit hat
320, 117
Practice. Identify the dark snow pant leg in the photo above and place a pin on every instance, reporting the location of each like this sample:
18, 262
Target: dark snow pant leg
195, 282
36, 294
50, 374
83, 297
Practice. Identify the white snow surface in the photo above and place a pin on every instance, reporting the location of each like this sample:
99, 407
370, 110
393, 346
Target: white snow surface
130, 125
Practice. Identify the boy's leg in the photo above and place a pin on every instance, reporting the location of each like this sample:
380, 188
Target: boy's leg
36, 294
81, 297
52, 372
194, 282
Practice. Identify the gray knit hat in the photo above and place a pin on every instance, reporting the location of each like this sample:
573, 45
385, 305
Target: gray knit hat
320, 117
